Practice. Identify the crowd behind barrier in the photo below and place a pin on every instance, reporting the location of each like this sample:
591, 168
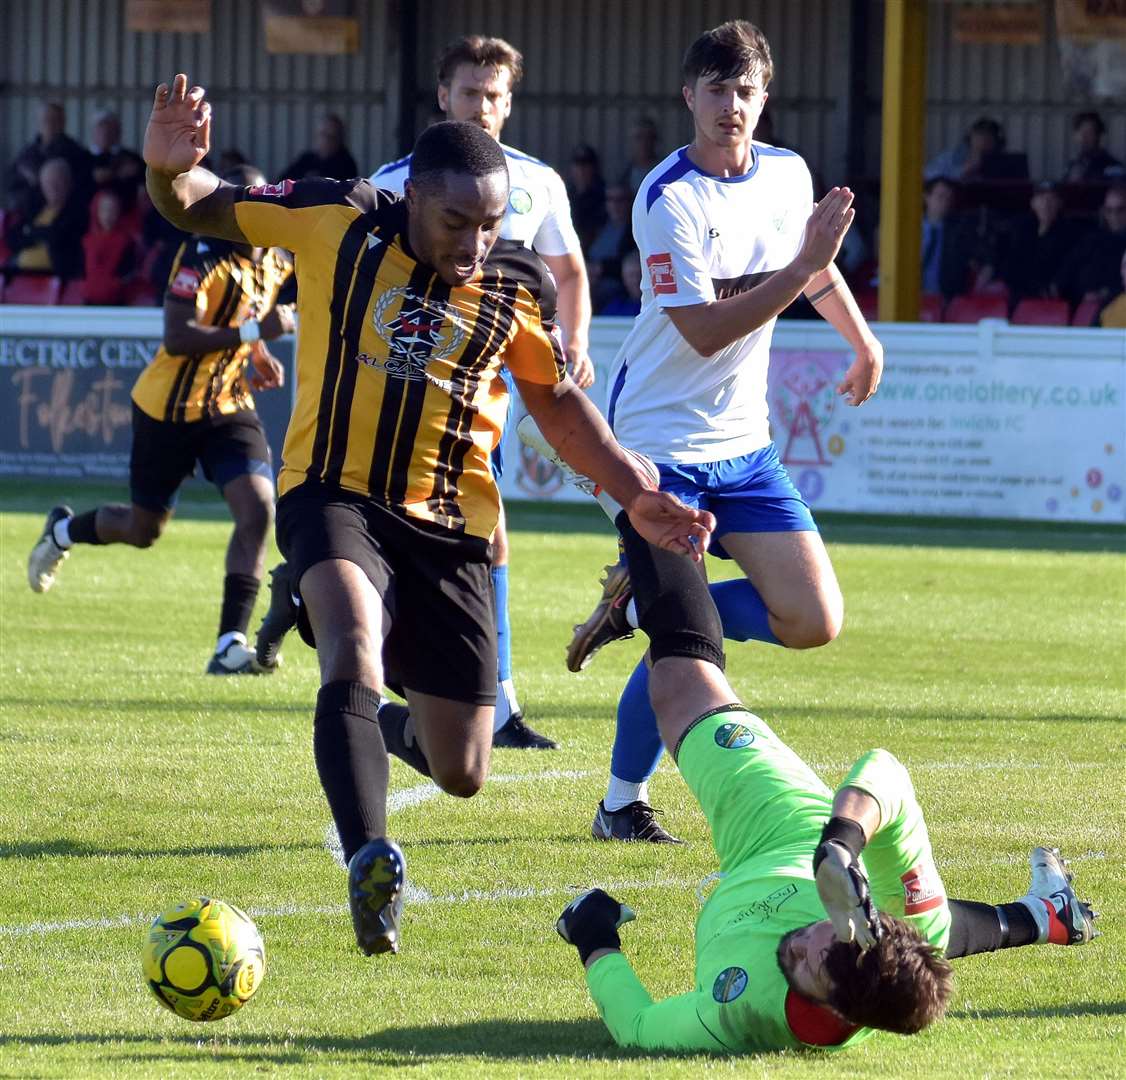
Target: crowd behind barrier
77, 226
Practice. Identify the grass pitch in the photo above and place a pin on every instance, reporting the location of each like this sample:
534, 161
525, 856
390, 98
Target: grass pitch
989, 658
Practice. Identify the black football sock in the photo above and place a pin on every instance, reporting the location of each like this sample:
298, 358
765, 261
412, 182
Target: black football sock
398, 736
83, 528
977, 928
240, 591
351, 761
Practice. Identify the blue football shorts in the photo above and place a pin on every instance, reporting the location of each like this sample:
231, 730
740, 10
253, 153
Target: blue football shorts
747, 494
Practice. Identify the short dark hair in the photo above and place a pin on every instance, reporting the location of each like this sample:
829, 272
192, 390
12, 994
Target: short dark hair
1089, 117
480, 51
455, 146
901, 984
729, 50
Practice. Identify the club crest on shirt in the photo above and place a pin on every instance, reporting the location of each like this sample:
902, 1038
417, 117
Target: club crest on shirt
520, 199
729, 984
423, 329
733, 736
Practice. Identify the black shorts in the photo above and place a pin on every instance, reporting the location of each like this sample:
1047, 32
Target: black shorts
435, 586
164, 454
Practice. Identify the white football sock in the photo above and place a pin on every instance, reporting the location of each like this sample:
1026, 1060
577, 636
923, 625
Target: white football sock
631, 613
621, 793
227, 638
61, 532
506, 704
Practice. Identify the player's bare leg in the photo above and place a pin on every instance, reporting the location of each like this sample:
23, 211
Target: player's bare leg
794, 577
347, 617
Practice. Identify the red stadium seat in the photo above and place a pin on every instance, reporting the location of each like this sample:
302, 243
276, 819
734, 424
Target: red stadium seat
930, 307
1035, 311
32, 289
971, 309
1086, 314
73, 292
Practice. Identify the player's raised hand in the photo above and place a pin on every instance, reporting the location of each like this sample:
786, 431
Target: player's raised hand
179, 130
666, 522
844, 893
825, 230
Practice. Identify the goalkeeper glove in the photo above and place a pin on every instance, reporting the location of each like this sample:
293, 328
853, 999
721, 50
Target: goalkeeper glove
590, 922
842, 886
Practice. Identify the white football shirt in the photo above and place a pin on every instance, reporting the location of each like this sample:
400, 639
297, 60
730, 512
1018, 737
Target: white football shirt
539, 212
703, 238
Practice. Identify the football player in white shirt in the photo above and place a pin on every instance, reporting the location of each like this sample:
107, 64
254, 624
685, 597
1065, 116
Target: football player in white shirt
730, 236
476, 77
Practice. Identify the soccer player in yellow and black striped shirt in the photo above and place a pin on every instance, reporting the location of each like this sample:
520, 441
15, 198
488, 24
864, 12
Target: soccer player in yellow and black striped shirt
192, 404
408, 309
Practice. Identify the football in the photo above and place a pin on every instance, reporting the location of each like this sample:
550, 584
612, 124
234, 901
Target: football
203, 959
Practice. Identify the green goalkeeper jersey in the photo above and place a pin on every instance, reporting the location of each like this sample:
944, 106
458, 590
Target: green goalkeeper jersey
766, 809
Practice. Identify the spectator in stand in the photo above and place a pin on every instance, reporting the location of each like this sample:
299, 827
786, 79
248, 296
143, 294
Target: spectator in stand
231, 159
643, 154
330, 156
1091, 271
1113, 316
49, 240
111, 251
1092, 161
24, 195
627, 299
1034, 246
948, 241
614, 239
968, 160
111, 164
586, 191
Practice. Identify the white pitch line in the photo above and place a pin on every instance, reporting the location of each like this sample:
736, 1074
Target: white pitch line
421, 898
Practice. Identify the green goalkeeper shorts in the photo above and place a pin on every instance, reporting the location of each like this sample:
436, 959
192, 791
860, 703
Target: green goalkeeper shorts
757, 794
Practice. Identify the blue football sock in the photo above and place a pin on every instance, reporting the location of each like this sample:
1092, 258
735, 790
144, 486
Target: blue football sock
504, 631
637, 742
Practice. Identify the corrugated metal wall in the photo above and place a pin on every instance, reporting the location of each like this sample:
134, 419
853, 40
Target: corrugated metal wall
79, 52
593, 66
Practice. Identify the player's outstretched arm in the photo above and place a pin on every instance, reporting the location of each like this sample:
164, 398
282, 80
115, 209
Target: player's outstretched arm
177, 139
575, 428
829, 293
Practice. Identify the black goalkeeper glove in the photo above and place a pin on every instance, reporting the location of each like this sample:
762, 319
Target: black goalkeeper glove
590, 922
842, 886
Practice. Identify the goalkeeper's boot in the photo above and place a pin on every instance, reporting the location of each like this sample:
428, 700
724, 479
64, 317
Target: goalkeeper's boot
1061, 917
607, 622
377, 876
517, 734
234, 659
46, 557
635, 821
280, 618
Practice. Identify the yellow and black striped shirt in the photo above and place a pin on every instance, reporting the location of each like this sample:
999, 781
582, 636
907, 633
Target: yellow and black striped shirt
399, 395
227, 288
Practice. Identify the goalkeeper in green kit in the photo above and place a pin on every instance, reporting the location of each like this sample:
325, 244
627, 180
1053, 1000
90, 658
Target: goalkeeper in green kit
772, 971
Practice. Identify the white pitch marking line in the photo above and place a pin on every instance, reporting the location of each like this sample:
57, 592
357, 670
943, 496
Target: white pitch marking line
423, 898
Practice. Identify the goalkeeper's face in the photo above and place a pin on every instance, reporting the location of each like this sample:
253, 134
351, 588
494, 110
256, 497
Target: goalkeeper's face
801, 956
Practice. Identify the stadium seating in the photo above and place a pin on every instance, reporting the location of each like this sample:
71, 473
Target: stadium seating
31, 289
73, 292
930, 307
971, 308
1086, 313
1037, 311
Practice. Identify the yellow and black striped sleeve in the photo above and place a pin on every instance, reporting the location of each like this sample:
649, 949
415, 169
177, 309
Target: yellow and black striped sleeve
288, 214
533, 352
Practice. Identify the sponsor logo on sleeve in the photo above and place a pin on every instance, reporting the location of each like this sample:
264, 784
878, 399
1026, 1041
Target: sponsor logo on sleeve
273, 191
661, 275
729, 984
922, 889
185, 283
520, 199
